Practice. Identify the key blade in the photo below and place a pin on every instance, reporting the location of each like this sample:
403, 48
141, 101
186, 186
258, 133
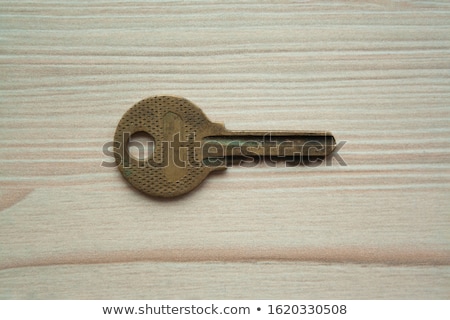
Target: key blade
273, 144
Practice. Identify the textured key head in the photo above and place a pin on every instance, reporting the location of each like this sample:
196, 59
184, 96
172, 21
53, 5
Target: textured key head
177, 127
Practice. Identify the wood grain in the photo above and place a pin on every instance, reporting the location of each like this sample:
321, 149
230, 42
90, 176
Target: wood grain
376, 74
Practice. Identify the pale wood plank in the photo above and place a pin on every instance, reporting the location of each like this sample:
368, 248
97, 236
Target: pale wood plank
377, 74
211, 280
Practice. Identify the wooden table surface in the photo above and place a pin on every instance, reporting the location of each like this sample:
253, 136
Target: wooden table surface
375, 73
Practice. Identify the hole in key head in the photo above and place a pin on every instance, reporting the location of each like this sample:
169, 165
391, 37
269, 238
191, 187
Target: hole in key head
141, 146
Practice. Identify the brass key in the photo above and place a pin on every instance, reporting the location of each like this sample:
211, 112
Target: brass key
188, 146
